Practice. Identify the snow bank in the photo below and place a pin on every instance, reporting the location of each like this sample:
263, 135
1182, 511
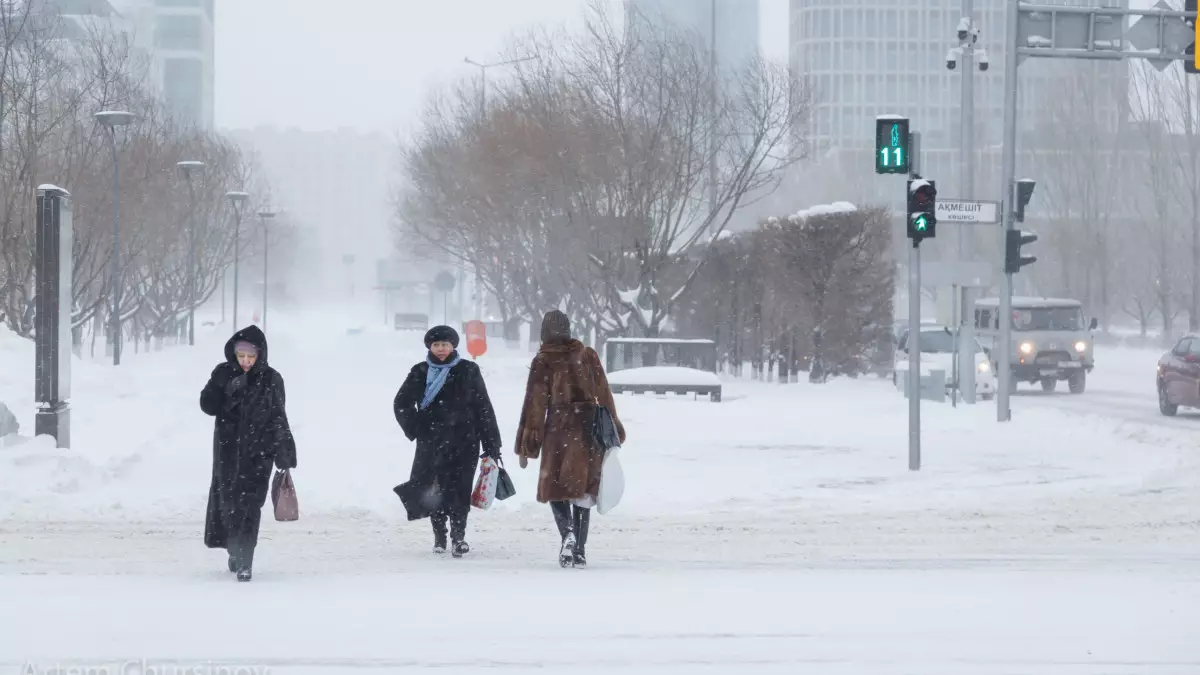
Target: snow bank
823, 210
665, 375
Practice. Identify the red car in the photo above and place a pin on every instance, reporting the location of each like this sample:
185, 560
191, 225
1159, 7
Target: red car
1178, 379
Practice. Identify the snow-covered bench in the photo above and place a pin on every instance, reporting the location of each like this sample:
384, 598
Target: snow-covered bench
662, 366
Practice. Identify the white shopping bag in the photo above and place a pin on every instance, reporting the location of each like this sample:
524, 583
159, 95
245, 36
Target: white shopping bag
485, 486
612, 482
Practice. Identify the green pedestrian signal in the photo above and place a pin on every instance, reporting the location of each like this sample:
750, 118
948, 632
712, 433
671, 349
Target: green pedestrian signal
891, 144
922, 209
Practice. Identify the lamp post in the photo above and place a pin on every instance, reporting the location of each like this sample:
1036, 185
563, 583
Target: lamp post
264, 216
187, 168
482, 113
112, 119
236, 199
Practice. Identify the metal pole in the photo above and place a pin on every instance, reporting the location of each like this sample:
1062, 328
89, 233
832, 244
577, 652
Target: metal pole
192, 265
914, 357
266, 261
1008, 184
237, 254
115, 326
712, 110
966, 235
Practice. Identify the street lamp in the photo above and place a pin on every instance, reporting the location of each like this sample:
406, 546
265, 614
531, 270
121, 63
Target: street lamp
112, 119
483, 113
236, 199
187, 168
264, 215
483, 76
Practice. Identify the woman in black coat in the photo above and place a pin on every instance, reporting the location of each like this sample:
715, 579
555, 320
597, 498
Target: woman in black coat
443, 405
251, 433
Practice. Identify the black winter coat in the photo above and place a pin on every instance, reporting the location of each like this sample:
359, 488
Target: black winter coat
450, 433
251, 433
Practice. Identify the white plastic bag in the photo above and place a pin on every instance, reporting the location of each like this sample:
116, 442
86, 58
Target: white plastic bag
612, 482
485, 486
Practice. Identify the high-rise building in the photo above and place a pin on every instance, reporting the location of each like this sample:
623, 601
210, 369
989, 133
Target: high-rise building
735, 22
871, 58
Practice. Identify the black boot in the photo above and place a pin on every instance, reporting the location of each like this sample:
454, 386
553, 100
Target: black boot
562, 518
458, 535
582, 516
244, 561
439, 532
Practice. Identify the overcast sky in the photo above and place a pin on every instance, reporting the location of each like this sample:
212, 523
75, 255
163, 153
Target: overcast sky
368, 63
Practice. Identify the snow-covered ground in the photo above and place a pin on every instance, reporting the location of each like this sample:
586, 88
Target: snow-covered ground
779, 531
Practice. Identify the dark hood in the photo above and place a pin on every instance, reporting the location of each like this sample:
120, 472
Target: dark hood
254, 336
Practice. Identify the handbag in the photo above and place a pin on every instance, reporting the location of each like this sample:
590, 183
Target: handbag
283, 496
504, 484
604, 428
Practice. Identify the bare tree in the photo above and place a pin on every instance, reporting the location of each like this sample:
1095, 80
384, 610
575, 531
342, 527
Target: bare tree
1083, 162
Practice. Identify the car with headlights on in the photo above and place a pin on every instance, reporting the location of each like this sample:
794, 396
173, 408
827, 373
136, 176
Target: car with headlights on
1051, 341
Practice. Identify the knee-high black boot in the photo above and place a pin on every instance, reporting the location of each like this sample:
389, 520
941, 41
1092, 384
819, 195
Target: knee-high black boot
563, 519
582, 516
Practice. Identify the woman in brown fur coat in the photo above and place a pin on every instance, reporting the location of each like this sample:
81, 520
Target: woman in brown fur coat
566, 381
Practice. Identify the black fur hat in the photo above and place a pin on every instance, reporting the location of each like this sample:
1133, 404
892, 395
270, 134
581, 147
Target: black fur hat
441, 334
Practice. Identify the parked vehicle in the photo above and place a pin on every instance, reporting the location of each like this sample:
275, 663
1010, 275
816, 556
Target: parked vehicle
1178, 376
937, 353
1050, 340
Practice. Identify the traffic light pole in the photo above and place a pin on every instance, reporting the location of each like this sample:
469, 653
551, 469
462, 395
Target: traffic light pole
1008, 203
914, 356
966, 235
914, 326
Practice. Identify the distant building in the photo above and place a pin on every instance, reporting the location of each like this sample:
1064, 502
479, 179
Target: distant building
180, 36
335, 186
177, 36
736, 24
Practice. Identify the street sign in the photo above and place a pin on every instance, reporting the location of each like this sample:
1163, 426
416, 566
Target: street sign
959, 211
1083, 29
1175, 38
444, 282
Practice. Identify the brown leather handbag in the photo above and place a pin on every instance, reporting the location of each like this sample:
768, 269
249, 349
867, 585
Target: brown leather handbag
283, 496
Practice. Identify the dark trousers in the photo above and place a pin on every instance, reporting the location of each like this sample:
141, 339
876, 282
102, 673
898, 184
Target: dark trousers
458, 524
243, 536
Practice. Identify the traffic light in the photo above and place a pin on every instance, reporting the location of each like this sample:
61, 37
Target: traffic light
1013, 241
1024, 194
891, 144
922, 209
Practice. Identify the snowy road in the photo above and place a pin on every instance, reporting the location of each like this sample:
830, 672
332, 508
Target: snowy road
777, 532
805, 621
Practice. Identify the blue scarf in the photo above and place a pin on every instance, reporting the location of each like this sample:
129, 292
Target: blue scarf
436, 377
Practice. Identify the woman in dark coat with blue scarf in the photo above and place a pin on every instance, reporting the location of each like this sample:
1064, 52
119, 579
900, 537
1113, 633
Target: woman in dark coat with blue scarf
443, 405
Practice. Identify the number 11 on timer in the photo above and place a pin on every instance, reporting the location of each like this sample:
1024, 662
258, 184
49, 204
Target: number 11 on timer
891, 144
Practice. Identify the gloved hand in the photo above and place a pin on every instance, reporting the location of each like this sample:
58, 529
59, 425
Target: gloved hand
524, 461
235, 384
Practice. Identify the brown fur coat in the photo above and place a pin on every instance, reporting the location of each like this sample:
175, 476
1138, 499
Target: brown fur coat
556, 420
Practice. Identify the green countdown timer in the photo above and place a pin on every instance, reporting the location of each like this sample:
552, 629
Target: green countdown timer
891, 145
